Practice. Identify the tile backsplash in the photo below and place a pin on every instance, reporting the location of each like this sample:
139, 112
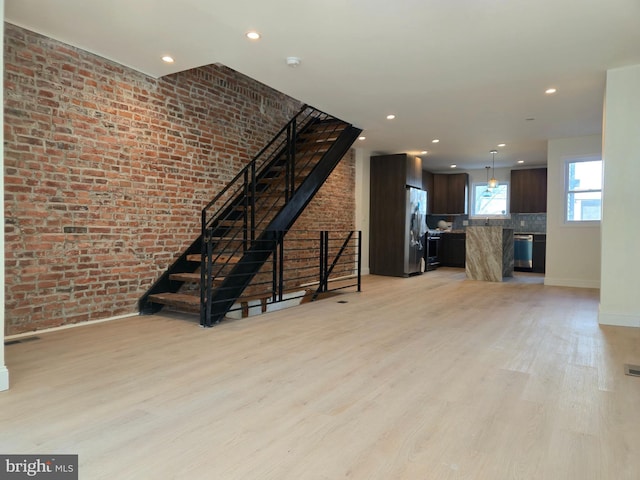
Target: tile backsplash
520, 222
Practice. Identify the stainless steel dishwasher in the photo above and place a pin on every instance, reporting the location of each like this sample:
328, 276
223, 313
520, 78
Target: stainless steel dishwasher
523, 252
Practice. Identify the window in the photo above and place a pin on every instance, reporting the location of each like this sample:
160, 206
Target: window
583, 190
490, 202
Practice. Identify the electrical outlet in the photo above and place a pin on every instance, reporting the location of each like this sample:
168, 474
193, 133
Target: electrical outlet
465, 223
522, 223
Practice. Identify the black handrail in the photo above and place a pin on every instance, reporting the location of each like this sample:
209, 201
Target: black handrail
312, 113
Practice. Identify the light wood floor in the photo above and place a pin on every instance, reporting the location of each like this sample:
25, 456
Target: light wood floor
432, 377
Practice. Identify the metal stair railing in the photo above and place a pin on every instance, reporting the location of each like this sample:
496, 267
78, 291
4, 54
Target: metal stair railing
305, 265
234, 220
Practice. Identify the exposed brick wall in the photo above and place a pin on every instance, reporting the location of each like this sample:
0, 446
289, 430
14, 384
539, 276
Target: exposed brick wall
106, 171
333, 207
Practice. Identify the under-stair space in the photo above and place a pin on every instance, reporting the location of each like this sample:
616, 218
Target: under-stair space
246, 256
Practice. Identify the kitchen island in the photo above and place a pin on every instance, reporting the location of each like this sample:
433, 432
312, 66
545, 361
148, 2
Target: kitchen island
489, 253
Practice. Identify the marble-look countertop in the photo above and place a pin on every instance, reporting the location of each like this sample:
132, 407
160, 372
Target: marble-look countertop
489, 253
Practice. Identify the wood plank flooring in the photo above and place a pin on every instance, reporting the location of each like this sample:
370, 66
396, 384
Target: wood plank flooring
430, 377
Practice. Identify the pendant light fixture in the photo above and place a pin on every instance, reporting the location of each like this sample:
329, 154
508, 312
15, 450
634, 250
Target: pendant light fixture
487, 191
493, 183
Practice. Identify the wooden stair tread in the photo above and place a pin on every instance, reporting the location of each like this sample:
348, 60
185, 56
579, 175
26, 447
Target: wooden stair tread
224, 238
333, 124
180, 300
191, 277
195, 257
319, 136
314, 146
270, 180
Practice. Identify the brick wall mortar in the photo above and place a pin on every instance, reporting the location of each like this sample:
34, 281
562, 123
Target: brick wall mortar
106, 171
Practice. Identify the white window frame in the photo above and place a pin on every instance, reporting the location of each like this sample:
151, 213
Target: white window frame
472, 201
568, 192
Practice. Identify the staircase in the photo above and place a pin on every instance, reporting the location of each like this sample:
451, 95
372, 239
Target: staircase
243, 226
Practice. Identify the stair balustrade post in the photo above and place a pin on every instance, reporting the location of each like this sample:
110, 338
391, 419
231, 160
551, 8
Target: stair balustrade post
245, 219
281, 261
208, 280
287, 171
320, 262
203, 253
253, 202
326, 261
294, 139
274, 270
359, 260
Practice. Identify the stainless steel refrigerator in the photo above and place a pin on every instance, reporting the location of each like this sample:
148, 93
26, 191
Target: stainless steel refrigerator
415, 229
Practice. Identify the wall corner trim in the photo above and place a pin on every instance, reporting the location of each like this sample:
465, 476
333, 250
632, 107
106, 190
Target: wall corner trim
4, 379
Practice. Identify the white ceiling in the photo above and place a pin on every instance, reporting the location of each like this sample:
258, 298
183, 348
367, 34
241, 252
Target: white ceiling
468, 72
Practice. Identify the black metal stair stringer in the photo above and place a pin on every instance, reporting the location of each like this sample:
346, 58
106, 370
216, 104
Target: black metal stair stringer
182, 264
248, 266
165, 284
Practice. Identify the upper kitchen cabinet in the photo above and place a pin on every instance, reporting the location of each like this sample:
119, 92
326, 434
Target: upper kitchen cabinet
401, 169
414, 171
529, 190
450, 194
427, 184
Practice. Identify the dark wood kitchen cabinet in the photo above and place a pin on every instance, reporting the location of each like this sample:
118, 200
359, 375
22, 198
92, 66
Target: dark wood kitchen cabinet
450, 193
390, 176
427, 184
529, 190
539, 252
397, 171
452, 250
414, 171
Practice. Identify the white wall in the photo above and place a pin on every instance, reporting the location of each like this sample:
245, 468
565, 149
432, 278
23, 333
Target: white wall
4, 372
362, 203
573, 251
620, 294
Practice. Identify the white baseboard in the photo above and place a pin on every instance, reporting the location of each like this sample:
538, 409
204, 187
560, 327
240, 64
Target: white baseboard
571, 282
618, 319
65, 327
4, 379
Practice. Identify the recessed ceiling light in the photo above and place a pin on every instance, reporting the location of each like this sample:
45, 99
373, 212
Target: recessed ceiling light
391, 117
435, 140
167, 59
454, 165
253, 35
362, 138
550, 91
502, 144
520, 161
423, 152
